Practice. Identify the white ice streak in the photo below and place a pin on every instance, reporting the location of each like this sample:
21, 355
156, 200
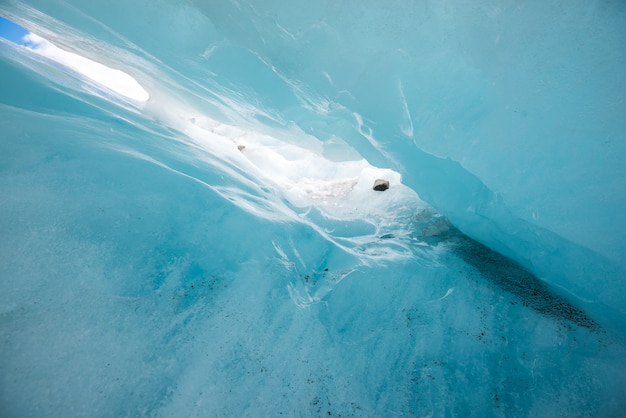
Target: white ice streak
448, 293
407, 128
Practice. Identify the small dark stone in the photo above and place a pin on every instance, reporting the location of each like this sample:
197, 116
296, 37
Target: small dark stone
381, 185
241, 147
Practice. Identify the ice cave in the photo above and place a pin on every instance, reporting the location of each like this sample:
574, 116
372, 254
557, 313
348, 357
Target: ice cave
189, 223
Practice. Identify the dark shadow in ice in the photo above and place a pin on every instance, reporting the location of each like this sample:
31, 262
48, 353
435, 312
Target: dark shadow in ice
501, 271
513, 278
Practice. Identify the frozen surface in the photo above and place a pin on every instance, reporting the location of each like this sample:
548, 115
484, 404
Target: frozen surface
204, 240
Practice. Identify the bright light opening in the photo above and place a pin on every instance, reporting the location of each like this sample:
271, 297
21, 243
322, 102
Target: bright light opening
115, 80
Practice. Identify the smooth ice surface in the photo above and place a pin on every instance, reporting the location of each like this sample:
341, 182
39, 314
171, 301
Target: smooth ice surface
204, 240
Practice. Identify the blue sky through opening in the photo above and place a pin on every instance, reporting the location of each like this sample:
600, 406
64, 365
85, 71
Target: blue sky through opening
12, 31
116, 80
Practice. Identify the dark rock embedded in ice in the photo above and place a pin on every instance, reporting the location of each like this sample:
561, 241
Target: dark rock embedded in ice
381, 185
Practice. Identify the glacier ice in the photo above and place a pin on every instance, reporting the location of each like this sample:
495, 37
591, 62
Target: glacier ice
218, 250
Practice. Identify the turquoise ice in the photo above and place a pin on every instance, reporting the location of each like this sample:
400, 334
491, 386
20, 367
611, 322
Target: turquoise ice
200, 236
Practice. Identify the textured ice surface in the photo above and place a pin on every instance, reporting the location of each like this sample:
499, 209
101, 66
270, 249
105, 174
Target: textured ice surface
218, 250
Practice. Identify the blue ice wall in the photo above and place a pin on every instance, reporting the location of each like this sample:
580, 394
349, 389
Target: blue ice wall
503, 116
148, 269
